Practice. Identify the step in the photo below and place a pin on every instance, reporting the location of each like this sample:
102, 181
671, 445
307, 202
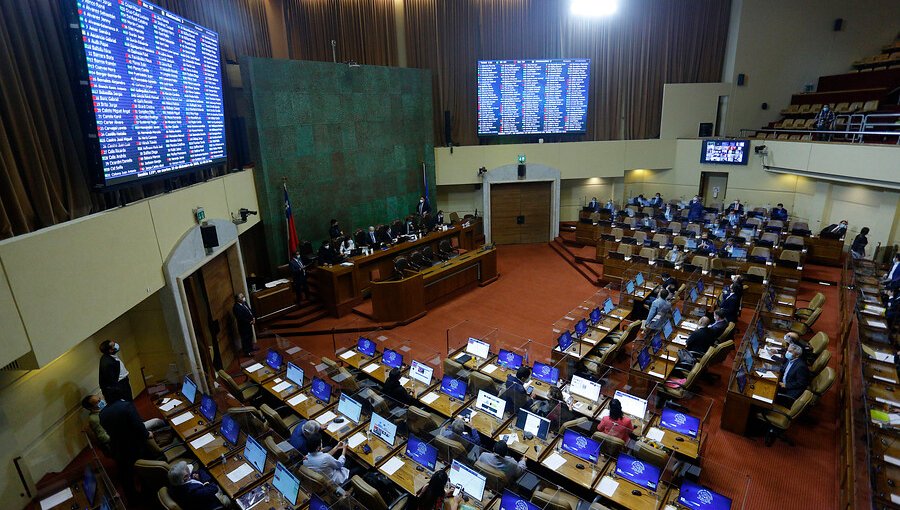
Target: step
588, 273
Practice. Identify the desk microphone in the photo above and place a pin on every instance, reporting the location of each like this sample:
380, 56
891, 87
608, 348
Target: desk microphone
420, 468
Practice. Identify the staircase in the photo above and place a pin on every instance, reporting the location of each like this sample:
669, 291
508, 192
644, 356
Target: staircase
291, 323
580, 257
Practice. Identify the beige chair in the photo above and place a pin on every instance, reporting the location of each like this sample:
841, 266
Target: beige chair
818, 343
753, 221
449, 448
640, 236
651, 454
245, 393
802, 328
330, 363
771, 237
820, 363
170, 453
453, 368
700, 261
675, 226
648, 253
695, 228
624, 249
165, 500
818, 301
727, 333
316, 483
421, 422
250, 419
760, 251
572, 423
794, 240
283, 426
758, 271
153, 474
618, 233
496, 479
662, 239
549, 498
820, 384
779, 419
280, 455
611, 446
479, 381
684, 389
679, 241
791, 255
371, 499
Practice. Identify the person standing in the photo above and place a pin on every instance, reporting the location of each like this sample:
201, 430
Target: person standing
245, 321
127, 439
858, 248
422, 207
114, 382
824, 121
659, 312
298, 273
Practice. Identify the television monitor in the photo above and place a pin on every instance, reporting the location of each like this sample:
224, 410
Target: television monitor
656, 343
690, 244
725, 152
644, 358
717, 232
490, 404
512, 501
642, 474
90, 484
564, 341
667, 329
383, 428
748, 360
738, 253
629, 287
631, 405
321, 390
754, 342
421, 452
596, 315
189, 389
677, 421
741, 378
316, 503
286, 483
694, 295
349, 408
692, 495
477, 348
230, 429
421, 372
608, 306
365, 346
294, 374
639, 279
454, 387
585, 388
530, 97
152, 108
392, 358
273, 359
208, 408
545, 373
509, 359
676, 316
470, 481
580, 328
580, 446
255, 454
530, 422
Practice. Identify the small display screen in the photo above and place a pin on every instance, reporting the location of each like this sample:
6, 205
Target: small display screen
365, 346
230, 429
456, 388
321, 389
208, 408
392, 359
421, 452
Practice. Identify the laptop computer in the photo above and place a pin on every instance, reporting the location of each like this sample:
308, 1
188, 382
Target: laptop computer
421, 453
692, 495
545, 373
580, 446
679, 422
530, 422
642, 474
467, 480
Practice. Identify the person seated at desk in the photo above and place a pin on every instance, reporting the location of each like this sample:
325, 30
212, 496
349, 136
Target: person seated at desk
456, 431
695, 210
387, 236
669, 212
515, 393
499, 459
334, 231
394, 389
706, 246
737, 207
640, 200
726, 249
438, 219
669, 282
347, 247
437, 494
94, 404
779, 213
656, 201
557, 409
891, 306
892, 277
372, 238
701, 339
647, 222
733, 218
675, 255
834, 231
612, 208
195, 490
327, 254
616, 424
409, 228
794, 378
593, 205
324, 463
302, 433
720, 323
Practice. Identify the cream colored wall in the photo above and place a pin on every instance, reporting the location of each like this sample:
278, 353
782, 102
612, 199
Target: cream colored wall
781, 46
576, 193
686, 105
461, 198
148, 325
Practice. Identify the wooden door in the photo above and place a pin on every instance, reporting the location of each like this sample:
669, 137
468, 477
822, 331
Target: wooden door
520, 212
220, 296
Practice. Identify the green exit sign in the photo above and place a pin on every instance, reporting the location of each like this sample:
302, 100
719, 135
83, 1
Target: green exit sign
200, 214
521, 159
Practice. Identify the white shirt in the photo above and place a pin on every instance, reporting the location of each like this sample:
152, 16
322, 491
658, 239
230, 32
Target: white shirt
890, 275
123, 372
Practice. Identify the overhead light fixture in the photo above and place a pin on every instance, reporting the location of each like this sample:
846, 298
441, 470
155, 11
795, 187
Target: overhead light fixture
594, 8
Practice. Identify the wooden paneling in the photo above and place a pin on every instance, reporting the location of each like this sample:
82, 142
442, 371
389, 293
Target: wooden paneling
511, 200
220, 295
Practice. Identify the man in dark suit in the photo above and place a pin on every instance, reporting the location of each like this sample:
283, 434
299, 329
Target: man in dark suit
372, 237
834, 231
892, 277
794, 378
439, 218
114, 381
195, 490
731, 302
422, 207
737, 207
387, 236
515, 393
298, 272
695, 210
127, 438
656, 201
720, 323
779, 213
245, 321
327, 254
594, 204
334, 231
702, 338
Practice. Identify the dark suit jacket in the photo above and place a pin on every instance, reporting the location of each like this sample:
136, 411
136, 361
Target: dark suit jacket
515, 395
334, 231
244, 316
702, 339
109, 379
732, 306
740, 208
196, 495
127, 433
423, 207
779, 213
372, 238
797, 379
696, 211
718, 328
828, 232
387, 236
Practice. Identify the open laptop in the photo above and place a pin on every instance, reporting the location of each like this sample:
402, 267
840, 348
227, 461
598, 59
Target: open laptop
477, 348
274, 359
679, 422
321, 390
467, 480
421, 453
453, 387
230, 429
530, 422
392, 358
208, 408
692, 495
90, 485
596, 315
490, 404
564, 341
189, 389
642, 474
346, 408
512, 501
286, 483
509, 359
580, 446
383, 429
294, 374
255, 454
585, 388
580, 328
316, 503
644, 358
632, 405
421, 372
365, 346
608, 306
545, 373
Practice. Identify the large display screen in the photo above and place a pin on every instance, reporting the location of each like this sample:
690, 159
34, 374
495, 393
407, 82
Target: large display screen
154, 85
725, 152
522, 97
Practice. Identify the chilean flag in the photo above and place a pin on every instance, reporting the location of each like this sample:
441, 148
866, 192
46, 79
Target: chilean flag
292, 240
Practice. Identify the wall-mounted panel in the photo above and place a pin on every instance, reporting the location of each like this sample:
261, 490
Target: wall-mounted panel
173, 213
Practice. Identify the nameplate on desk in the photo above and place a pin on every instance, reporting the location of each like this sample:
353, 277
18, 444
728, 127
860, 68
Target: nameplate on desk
347, 354
283, 385
883, 379
773, 341
489, 368
181, 418
554, 461
569, 318
431, 397
356, 440
768, 374
668, 357
254, 367
604, 328
783, 314
888, 402
762, 399
325, 417
171, 404
297, 399
788, 303
607, 486
877, 324
238, 474
202, 441
391, 466
655, 434
655, 374
371, 367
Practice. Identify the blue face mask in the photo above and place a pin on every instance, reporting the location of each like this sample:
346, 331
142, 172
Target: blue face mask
101, 405
789, 355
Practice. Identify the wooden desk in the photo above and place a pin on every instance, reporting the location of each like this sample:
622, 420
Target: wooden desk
269, 303
443, 405
532, 449
306, 405
647, 500
276, 500
341, 431
379, 450
356, 359
585, 477
195, 424
824, 251
587, 408
235, 460
283, 394
484, 423
212, 451
738, 406
260, 375
407, 477
379, 371
498, 373
182, 406
474, 362
399, 300
680, 443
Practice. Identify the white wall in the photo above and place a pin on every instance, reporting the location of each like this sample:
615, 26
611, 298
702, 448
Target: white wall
686, 105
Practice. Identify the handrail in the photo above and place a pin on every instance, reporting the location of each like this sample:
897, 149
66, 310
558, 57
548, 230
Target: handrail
851, 131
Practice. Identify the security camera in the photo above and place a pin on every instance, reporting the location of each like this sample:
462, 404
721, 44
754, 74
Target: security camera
760, 149
482, 171
244, 213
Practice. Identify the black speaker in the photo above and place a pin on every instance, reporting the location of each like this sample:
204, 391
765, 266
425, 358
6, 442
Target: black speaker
210, 237
448, 126
706, 129
838, 24
521, 171
741, 79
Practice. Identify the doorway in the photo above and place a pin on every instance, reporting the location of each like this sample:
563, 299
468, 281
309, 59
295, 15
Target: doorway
210, 296
712, 187
520, 212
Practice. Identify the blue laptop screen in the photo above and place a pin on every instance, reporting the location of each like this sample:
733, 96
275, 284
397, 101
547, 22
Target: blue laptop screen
90, 484
676, 316
546, 373
679, 422
748, 360
629, 287
511, 501
644, 359
392, 359
656, 343
595, 315
699, 285
421, 452
580, 446
255, 454
694, 295
692, 495
581, 327
230, 429
754, 342
286, 483
273, 359
667, 329
608, 305
639, 278
208, 408
565, 340
316, 503
189, 389
456, 388
509, 359
321, 389
365, 346
640, 473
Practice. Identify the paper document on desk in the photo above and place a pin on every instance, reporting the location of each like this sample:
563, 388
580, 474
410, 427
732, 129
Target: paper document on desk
680, 340
878, 310
202, 441
347, 264
510, 438
656, 374
689, 325
276, 283
877, 324
326, 417
239, 473
892, 460
171, 404
607, 486
762, 399
371, 367
768, 374
181, 418
297, 399
391, 466
404, 380
895, 499
253, 368
333, 427
764, 354
431, 397
554, 461
56, 499
655, 434
283, 385
347, 354
356, 440
489, 368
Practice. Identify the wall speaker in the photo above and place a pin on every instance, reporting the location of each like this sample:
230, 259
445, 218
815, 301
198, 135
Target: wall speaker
741, 79
838, 24
521, 171
706, 130
210, 237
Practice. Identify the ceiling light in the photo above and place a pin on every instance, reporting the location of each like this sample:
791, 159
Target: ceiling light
594, 8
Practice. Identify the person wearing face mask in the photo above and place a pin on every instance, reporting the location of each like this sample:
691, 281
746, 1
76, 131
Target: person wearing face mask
422, 207
245, 318
129, 440
834, 231
327, 254
695, 210
824, 121
195, 490
94, 404
114, 383
794, 377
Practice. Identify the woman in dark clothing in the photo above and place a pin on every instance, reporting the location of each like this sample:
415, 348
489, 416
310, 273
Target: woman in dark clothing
858, 248
393, 389
435, 495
